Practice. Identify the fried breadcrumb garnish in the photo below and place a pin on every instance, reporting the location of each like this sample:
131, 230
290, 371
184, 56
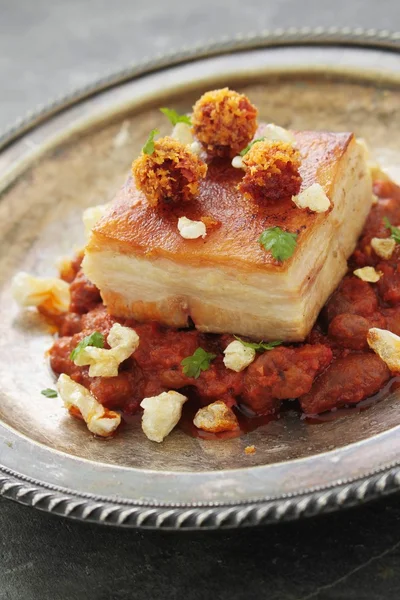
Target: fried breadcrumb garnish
170, 174
271, 171
250, 450
211, 223
224, 122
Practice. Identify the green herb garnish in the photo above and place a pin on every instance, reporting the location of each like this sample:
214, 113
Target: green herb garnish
259, 346
281, 243
394, 231
245, 150
49, 393
148, 148
199, 361
175, 117
94, 339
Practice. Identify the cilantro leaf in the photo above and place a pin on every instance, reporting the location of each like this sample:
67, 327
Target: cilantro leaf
199, 361
394, 231
148, 148
49, 393
281, 243
259, 346
94, 339
175, 117
245, 150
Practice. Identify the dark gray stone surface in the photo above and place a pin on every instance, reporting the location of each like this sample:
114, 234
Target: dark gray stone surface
353, 555
47, 47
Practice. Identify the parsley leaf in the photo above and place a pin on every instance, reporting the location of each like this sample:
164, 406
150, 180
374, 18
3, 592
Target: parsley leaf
148, 148
259, 346
49, 393
281, 243
175, 117
245, 150
199, 361
394, 231
94, 339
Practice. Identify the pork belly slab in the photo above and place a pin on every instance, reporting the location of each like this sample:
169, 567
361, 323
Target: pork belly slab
227, 282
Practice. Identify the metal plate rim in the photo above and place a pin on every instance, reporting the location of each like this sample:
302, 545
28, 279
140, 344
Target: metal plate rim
66, 503
309, 36
79, 506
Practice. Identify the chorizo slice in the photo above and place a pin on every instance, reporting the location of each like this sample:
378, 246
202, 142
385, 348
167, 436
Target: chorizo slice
347, 381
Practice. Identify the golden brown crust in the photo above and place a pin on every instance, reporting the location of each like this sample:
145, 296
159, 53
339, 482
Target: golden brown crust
155, 234
224, 122
171, 174
272, 171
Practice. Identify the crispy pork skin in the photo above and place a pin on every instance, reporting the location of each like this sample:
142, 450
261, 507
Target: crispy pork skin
227, 282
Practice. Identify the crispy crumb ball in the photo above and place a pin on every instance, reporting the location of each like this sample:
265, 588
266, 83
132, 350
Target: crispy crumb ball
224, 122
272, 171
170, 174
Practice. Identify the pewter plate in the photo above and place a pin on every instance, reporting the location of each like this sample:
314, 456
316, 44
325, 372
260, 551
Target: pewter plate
76, 153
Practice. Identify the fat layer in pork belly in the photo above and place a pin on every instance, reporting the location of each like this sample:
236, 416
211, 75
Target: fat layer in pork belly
227, 282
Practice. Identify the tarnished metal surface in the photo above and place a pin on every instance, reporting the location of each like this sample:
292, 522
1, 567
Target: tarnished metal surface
79, 158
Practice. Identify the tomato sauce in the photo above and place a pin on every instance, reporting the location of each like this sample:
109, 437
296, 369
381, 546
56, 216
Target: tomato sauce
332, 369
